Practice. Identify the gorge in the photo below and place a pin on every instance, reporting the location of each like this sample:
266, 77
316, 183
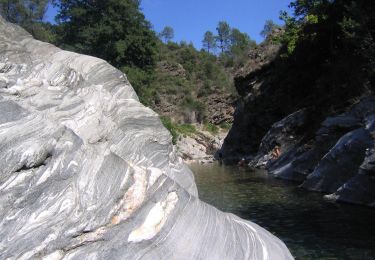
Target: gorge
324, 129
110, 128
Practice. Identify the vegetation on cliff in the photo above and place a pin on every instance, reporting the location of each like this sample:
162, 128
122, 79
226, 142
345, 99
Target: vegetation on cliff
326, 58
175, 79
323, 62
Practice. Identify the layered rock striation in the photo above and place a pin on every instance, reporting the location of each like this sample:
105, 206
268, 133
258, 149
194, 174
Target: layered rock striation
87, 172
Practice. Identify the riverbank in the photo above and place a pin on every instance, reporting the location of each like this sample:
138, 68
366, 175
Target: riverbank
201, 145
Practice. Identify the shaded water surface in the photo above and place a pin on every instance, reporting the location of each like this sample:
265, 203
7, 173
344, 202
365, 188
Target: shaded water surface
311, 227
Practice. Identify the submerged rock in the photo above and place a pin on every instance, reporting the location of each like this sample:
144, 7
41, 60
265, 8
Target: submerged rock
87, 172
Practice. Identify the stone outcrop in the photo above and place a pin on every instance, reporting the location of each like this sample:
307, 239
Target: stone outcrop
200, 147
302, 126
219, 108
258, 107
87, 172
339, 160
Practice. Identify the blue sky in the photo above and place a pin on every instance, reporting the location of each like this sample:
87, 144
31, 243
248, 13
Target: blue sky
190, 19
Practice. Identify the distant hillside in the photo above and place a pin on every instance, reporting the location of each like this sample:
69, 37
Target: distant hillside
187, 85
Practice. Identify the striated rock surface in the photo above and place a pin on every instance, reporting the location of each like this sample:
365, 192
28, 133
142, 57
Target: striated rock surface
87, 172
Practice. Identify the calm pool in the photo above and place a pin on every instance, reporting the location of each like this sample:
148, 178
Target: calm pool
311, 227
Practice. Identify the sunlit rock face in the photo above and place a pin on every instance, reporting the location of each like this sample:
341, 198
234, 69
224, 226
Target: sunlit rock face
87, 172
339, 160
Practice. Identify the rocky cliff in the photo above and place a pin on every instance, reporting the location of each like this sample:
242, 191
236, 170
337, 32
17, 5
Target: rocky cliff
194, 105
87, 172
321, 136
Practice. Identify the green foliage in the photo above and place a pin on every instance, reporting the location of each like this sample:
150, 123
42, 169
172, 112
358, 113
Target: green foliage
186, 129
10, 10
268, 28
177, 129
203, 70
327, 58
239, 40
223, 35
233, 43
239, 47
292, 33
141, 81
225, 125
29, 14
193, 104
42, 31
167, 34
167, 122
114, 30
213, 129
209, 42
23, 12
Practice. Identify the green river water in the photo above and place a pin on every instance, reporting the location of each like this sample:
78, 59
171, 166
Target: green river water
310, 226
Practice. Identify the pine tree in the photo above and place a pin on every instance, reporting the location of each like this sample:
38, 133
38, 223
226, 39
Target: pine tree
268, 28
167, 34
209, 42
223, 30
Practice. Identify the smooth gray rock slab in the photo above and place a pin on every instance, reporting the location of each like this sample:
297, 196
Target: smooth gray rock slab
87, 172
338, 160
341, 163
283, 133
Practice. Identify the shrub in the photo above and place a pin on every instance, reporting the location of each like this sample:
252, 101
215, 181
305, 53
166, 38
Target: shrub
226, 125
186, 129
177, 129
141, 80
167, 122
213, 129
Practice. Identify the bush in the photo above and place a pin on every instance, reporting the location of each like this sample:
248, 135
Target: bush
186, 129
226, 125
177, 129
167, 122
141, 80
213, 129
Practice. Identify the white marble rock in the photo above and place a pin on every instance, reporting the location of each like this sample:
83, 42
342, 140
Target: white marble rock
87, 172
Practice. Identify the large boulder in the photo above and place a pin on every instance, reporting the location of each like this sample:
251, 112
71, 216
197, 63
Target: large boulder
87, 172
338, 160
341, 163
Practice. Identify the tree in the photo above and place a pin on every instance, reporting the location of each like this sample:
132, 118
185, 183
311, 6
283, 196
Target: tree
223, 30
167, 34
209, 42
114, 30
23, 12
268, 28
240, 40
7, 10
29, 14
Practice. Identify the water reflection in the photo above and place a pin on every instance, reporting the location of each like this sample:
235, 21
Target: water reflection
311, 227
